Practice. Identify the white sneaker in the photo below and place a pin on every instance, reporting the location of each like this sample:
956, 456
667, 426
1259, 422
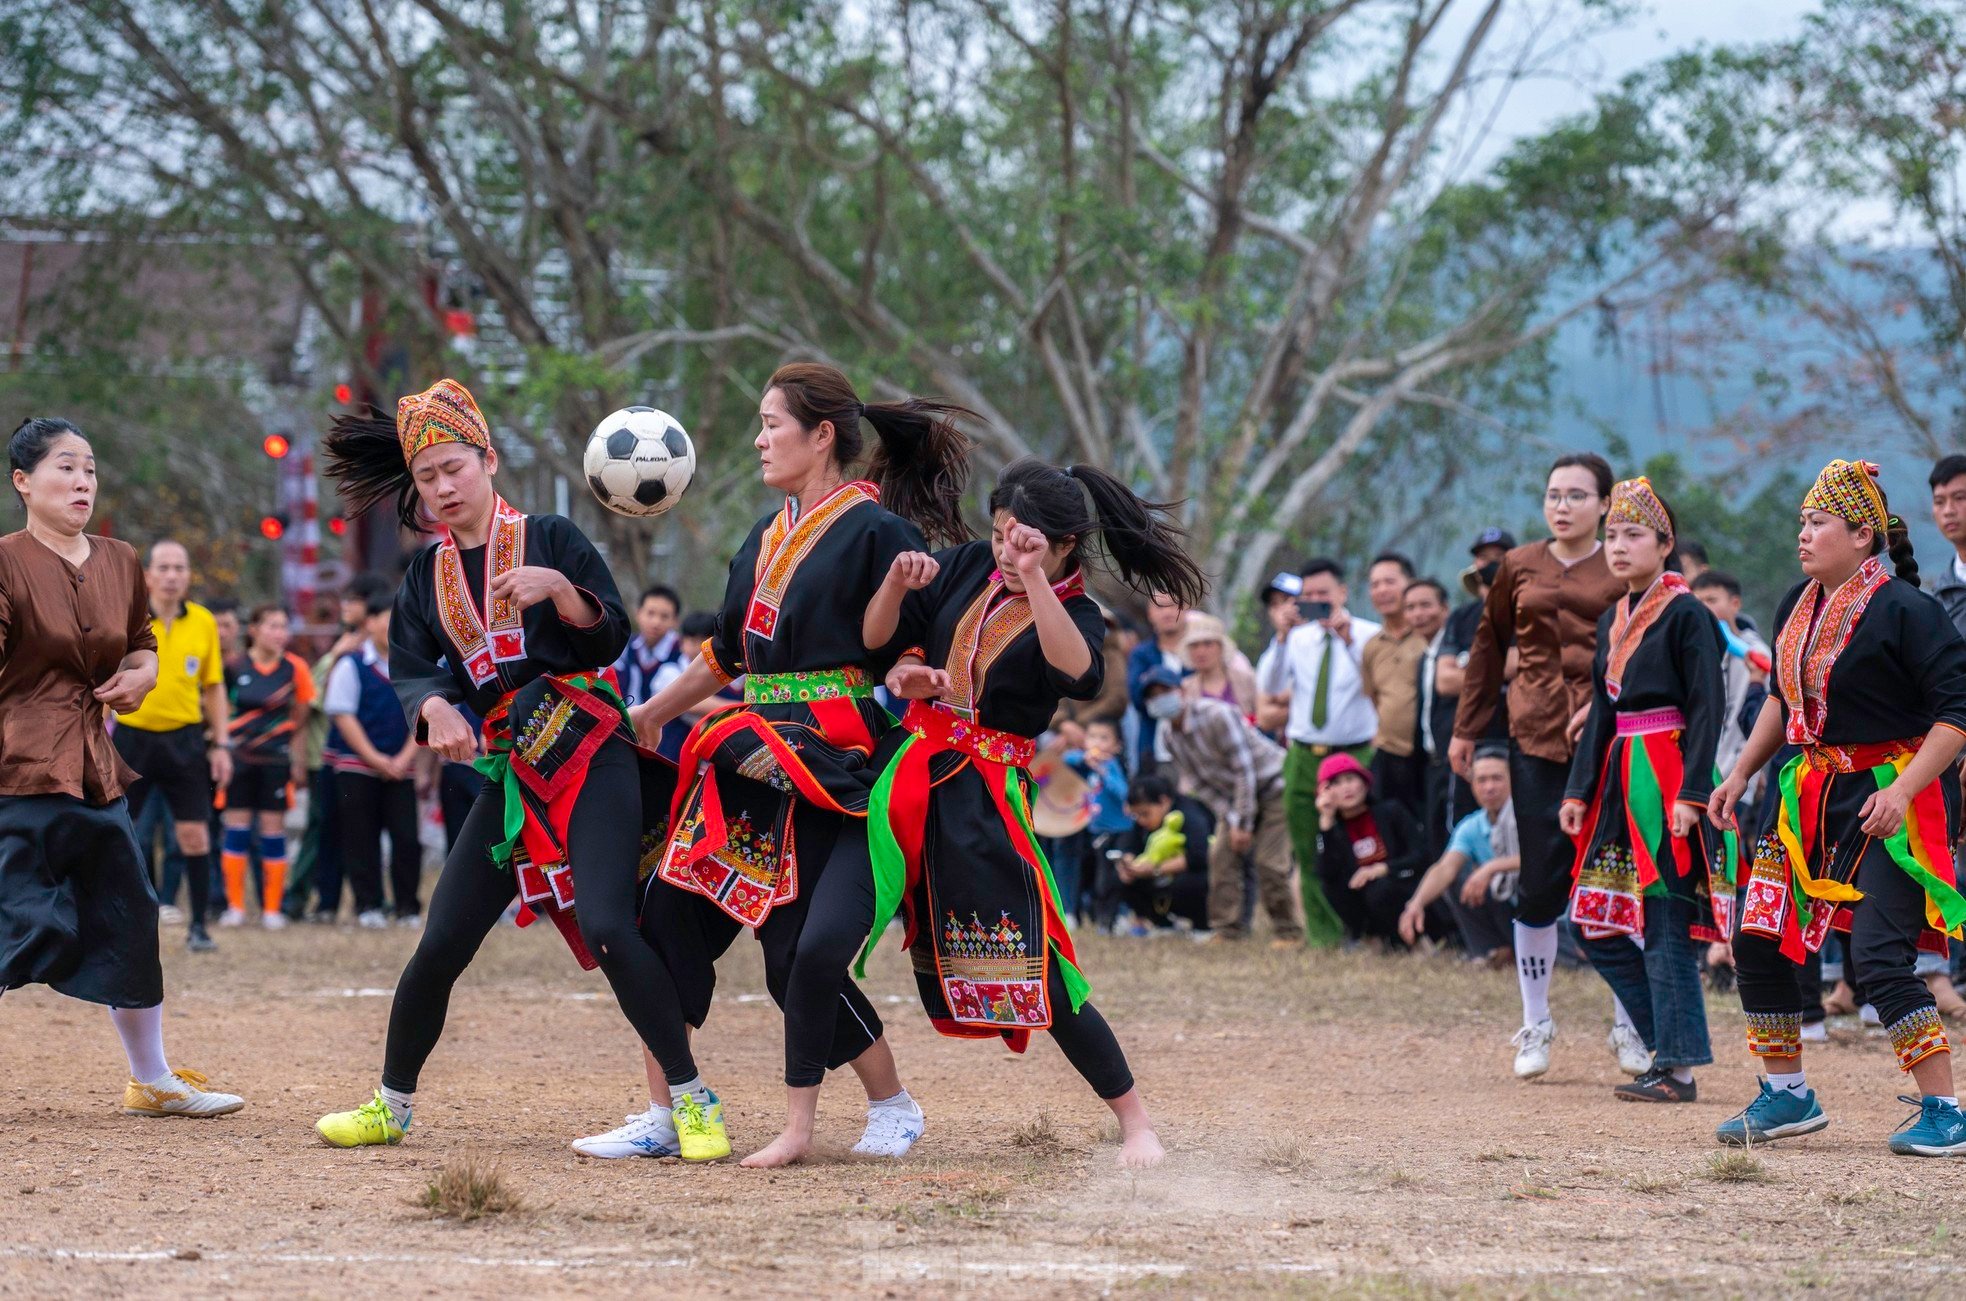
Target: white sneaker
181, 1093
274, 921
1815, 1032
1634, 1058
232, 917
1532, 1049
653, 1133
412, 922
171, 915
891, 1129
1867, 1016
373, 920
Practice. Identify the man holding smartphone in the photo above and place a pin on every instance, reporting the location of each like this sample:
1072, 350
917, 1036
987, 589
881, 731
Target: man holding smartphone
1316, 662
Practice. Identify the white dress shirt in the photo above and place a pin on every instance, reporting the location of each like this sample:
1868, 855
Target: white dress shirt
1349, 719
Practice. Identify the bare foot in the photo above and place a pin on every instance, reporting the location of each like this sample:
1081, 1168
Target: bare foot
1140, 1150
783, 1150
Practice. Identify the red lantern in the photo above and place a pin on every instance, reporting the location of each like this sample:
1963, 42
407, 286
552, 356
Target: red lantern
271, 528
276, 446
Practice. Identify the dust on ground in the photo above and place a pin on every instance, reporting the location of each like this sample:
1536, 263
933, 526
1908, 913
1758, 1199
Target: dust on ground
1337, 1124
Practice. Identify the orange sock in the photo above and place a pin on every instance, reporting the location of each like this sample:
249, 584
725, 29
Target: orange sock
232, 862
273, 871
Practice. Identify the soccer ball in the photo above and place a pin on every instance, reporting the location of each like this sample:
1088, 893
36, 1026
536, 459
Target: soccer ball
639, 461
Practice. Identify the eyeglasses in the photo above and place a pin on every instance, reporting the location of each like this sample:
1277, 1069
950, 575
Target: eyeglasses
1575, 497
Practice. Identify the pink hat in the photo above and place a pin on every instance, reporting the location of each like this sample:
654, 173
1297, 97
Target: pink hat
1337, 765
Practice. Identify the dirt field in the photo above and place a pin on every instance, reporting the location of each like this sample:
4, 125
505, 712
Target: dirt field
1336, 1125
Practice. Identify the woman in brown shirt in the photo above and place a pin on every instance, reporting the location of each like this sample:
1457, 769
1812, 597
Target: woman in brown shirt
76, 909
1545, 602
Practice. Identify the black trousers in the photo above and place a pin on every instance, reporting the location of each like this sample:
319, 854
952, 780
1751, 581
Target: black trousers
809, 944
604, 845
1880, 950
1543, 889
1158, 903
1402, 778
369, 806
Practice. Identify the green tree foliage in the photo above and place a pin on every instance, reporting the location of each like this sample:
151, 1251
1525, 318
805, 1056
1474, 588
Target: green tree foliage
1234, 251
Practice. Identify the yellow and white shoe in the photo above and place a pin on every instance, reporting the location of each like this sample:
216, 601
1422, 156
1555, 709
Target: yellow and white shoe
182, 1093
369, 1125
700, 1128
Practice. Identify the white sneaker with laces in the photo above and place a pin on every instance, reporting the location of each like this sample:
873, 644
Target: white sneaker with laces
373, 920
891, 1129
181, 1093
232, 917
653, 1133
1532, 1049
1634, 1058
1815, 1032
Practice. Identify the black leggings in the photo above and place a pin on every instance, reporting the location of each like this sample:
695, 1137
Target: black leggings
809, 944
1084, 1037
1543, 889
604, 846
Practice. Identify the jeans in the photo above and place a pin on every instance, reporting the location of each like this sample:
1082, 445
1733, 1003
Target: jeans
1660, 984
1066, 855
153, 817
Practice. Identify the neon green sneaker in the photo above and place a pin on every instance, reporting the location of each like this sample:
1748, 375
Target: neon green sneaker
700, 1128
369, 1125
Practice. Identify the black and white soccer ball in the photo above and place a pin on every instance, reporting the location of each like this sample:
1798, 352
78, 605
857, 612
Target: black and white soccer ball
639, 461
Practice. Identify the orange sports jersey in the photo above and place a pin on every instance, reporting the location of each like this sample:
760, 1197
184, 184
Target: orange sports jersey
263, 711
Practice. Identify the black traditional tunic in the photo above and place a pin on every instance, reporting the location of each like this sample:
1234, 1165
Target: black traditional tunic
790, 626
1876, 667
950, 833
536, 680
1657, 706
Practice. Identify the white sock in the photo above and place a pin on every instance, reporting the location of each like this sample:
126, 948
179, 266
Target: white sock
142, 1031
1683, 1074
399, 1103
695, 1085
1535, 955
1619, 1016
900, 1102
1796, 1083
1949, 1101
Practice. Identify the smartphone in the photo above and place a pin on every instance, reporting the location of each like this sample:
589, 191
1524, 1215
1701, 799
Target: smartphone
1314, 611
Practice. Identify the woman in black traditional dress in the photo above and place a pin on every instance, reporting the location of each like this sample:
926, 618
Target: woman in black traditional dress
515, 617
1648, 868
769, 826
76, 909
1870, 685
990, 636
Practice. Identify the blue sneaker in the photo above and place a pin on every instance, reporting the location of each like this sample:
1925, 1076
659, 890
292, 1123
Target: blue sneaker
1777, 1113
1937, 1130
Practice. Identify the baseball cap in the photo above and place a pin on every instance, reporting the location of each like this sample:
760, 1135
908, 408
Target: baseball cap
1286, 582
1493, 537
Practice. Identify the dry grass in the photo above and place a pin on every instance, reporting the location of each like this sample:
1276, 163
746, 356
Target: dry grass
469, 1188
1737, 1168
1847, 1196
1284, 1154
1652, 1184
1038, 1135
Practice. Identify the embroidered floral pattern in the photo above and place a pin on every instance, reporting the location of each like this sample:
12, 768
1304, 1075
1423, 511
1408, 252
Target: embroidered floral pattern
1917, 1035
1606, 899
788, 540
443, 413
1849, 491
994, 620
482, 650
1774, 1034
543, 727
1628, 626
935, 722
850, 681
1807, 647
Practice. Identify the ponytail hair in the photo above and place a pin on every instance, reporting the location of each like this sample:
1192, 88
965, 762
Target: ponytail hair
1896, 539
32, 440
1138, 536
365, 459
922, 463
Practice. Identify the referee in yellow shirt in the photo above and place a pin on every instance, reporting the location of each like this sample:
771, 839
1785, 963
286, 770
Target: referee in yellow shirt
176, 739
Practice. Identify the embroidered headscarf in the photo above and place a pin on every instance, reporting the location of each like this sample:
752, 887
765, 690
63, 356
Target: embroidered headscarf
1849, 491
442, 413
1634, 502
